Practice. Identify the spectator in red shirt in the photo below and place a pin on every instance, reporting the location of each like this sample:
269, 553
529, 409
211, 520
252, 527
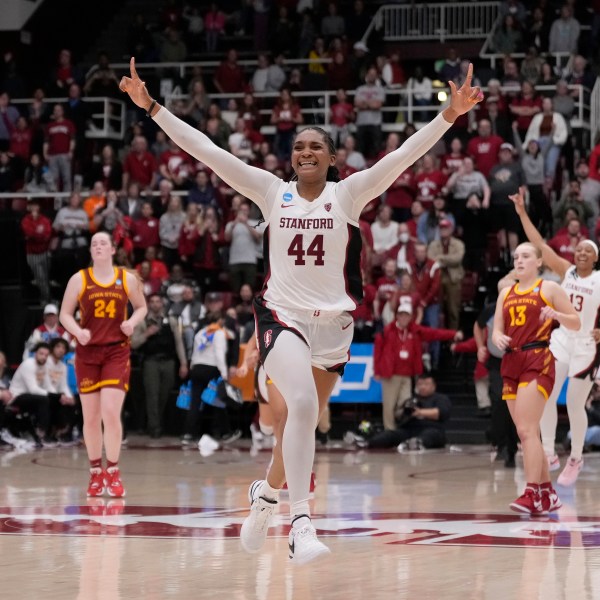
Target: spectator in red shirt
564, 244
426, 277
484, 147
525, 106
158, 269
342, 115
429, 180
150, 284
229, 77
406, 292
144, 232
176, 166
386, 285
286, 116
59, 146
207, 261
20, 140
140, 165
454, 160
214, 26
363, 316
416, 210
37, 230
397, 358
344, 169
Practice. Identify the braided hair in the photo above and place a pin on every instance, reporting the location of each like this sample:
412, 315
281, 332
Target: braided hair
332, 172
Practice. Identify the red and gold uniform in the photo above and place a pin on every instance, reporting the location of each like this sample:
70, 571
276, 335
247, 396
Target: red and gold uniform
521, 365
104, 361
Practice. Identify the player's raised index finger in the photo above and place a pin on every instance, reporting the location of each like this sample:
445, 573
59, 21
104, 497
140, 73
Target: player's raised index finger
134, 74
469, 74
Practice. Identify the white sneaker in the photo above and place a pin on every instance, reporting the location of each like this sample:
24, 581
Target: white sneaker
256, 525
304, 546
553, 462
570, 472
207, 442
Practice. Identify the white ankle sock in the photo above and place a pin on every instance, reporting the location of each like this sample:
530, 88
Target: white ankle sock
266, 491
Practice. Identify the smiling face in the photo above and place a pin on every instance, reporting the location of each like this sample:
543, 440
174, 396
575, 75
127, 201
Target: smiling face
585, 258
312, 155
527, 261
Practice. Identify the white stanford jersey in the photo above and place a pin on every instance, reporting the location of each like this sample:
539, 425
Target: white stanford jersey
584, 294
312, 252
313, 249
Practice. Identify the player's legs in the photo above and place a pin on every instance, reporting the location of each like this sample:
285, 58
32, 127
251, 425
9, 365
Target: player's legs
550, 415
111, 404
526, 411
577, 395
276, 473
92, 424
325, 382
299, 391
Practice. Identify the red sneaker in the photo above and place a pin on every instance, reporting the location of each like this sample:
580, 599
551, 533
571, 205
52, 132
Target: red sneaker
114, 485
550, 499
96, 484
529, 503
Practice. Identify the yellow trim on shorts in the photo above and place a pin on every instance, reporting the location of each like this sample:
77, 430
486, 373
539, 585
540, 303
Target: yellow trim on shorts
103, 383
509, 397
539, 387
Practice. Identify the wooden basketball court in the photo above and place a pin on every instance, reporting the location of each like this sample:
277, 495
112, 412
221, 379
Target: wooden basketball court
431, 525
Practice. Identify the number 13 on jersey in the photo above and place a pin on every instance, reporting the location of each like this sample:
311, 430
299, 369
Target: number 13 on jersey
517, 315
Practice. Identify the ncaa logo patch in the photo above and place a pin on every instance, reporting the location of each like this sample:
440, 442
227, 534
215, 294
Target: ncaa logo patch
327, 206
118, 282
268, 337
287, 197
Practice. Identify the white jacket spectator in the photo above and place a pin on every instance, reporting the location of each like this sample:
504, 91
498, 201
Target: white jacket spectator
559, 133
29, 378
210, 348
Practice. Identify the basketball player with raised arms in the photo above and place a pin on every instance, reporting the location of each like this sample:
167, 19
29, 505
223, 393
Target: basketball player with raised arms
313, 279
523, 321
102, 366
576, 352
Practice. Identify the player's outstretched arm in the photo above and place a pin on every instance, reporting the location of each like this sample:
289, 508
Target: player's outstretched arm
551, 259
365, 185
247, 180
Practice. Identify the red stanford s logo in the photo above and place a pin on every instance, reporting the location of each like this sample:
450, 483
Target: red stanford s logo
327, 206
268, 337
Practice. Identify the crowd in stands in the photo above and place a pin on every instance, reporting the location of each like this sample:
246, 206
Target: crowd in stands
440, 228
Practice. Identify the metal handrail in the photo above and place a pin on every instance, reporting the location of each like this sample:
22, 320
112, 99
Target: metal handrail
106, 124
497, 56
435, 21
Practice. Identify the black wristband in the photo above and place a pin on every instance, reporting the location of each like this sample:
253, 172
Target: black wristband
149, 111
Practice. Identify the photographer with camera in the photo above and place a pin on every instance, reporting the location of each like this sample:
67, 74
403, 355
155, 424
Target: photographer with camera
420, 421
158, 339
398, 357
